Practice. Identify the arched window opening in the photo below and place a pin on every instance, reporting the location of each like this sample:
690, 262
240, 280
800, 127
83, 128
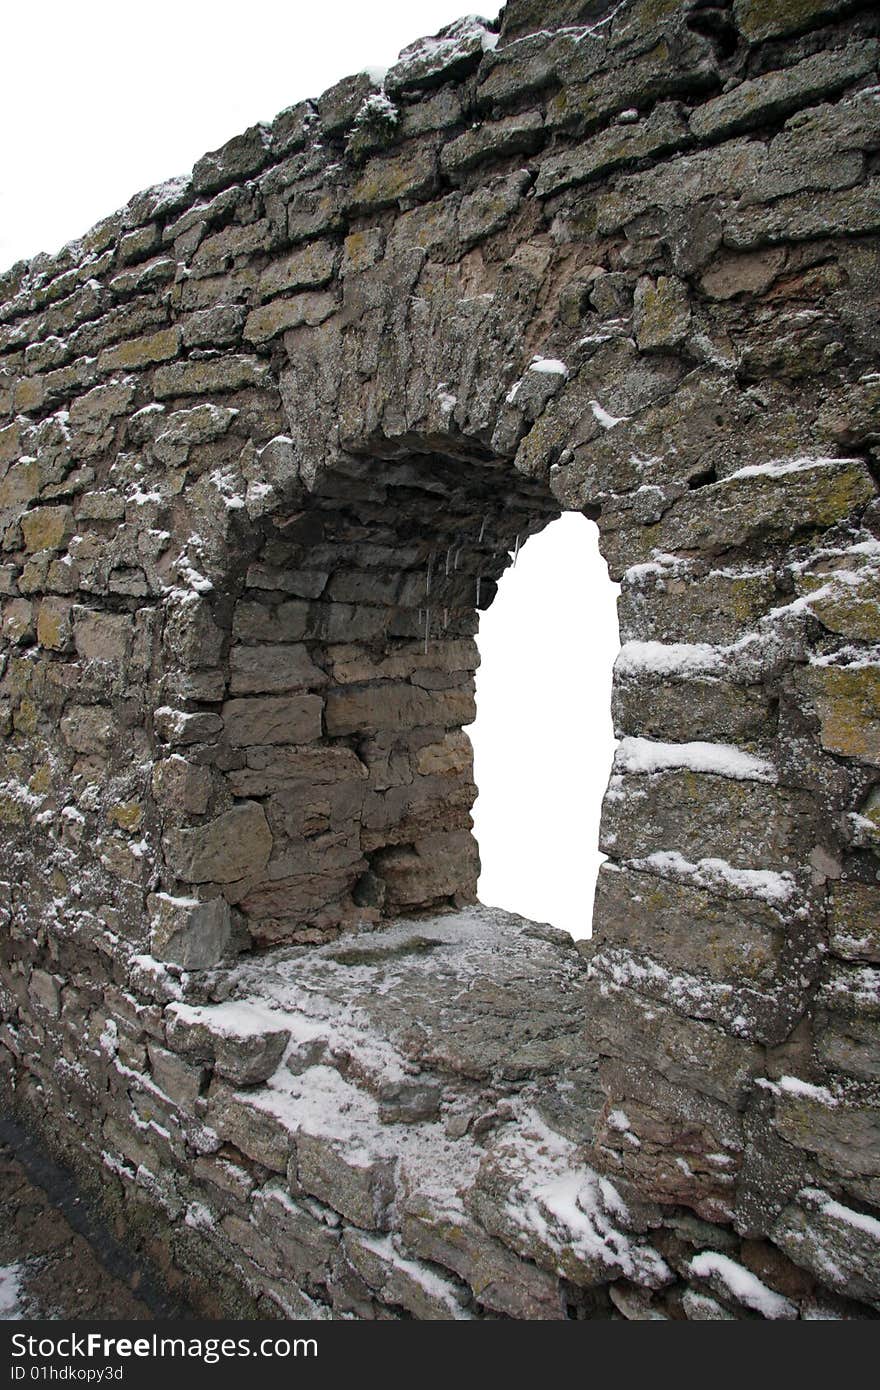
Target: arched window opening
543, 739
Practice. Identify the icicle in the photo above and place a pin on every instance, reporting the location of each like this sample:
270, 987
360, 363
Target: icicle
457, 555
448, 555
427, 628
482, 529
516, 551
445, 619
478, 591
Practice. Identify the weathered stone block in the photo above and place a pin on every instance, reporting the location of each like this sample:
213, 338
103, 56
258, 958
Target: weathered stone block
182, 786
54, 627
257, 622
662, 312
411, 174
500, 1281
842, 1129
189, 932
181, 1081
141, 352
435, 867
294, 719
206, 377
840, 1245
520, 134
280, 667
233, 846
307, 1243
250, 1126
455, 51
192, 637
700, 815
687, 1052
307, 268
854, 922
395, 706
238, 159
107, 505
774, 95
758, 503
850, 1045
21, 484
243, 1042
767, 19
92, 411
280, 316
88, 728
490, 207
45, 990
403, 1282
18, 621
134, 246
407, 1102
102, 636
663, 131
347, 1179
848, 705
685, 926
179, 727
47, 528
10, 442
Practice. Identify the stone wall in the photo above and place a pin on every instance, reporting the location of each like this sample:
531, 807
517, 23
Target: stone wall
268, 437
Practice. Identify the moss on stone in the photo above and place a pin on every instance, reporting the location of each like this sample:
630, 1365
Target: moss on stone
128, 815
848, 704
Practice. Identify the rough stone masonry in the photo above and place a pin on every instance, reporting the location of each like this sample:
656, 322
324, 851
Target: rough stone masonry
267, 438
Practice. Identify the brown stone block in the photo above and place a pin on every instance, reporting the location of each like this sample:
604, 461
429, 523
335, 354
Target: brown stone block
235, 845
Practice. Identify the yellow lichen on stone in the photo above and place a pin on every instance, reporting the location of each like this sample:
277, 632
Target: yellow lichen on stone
141, 352
662, 312
846, 603
128, 815
24, 718
361, 249
58, 883
46, 528
53, 624
21, 484
41, 782
764, 19
11, 811
29, 393
848, 705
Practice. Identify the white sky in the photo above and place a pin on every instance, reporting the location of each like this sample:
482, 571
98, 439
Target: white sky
101, 99
542, 738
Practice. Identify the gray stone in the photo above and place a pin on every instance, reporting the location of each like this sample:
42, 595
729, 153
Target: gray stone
407, 1102
662, 312
425, 1294
837, 1243
343, 1177
242, 1121
776, 94
242, 1043
234, 845
268, 669
188, 932
500, 1282
295, 719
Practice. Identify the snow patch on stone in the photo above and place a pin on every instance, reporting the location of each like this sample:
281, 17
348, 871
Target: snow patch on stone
642, 755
